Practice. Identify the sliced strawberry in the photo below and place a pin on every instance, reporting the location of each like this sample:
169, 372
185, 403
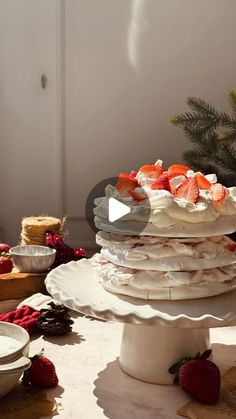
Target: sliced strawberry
188, 190
172, 175
161, 183
151, 171
181, 168
137, 196
133, 173
231, 247
125, 183
218, 192
202, 181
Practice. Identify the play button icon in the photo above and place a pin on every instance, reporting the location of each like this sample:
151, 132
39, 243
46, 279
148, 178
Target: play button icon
114, 213
116, 210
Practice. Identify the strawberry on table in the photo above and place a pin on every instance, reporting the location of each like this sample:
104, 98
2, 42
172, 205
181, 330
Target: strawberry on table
151, 171
4, 248
6, 265
188, 190
42, 372
199, 377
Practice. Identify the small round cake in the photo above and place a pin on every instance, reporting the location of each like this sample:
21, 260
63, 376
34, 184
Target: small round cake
181, 250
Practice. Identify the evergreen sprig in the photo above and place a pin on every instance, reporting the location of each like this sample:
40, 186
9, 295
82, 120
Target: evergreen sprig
213, 135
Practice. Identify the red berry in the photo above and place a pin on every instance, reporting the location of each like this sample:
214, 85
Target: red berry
137, 196
151, 171
4, 247
42, 372
126, 182
202, 181
231, 247
133, 173
173, 174
188, 190
6, 265
218, 192
162, 183
180, 168
201, 379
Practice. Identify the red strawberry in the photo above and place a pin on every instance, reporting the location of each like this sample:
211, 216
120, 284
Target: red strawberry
199, 377
181, 168
218, 192
173, 174
137, 196
151, 171
162, 183
4, 248
133, 173
202, 181
6, 265
188, 190
231, 247
126, 182
42, 372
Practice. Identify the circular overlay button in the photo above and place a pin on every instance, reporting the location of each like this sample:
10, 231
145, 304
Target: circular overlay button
125, 213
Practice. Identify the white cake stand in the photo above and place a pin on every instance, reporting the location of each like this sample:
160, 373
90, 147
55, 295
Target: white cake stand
155, 333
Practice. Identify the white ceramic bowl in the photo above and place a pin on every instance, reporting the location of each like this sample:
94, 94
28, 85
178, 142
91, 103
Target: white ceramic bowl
32, 258
15, 362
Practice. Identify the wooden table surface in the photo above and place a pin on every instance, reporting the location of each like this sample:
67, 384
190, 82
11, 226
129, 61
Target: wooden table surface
91, 383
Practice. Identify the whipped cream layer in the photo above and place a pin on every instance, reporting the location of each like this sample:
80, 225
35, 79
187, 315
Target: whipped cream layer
140, 283
169, 216
164, 254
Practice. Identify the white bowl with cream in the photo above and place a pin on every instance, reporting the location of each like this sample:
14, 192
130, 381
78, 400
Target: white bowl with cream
14, 349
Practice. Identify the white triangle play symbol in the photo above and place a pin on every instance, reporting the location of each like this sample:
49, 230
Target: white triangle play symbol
116, 209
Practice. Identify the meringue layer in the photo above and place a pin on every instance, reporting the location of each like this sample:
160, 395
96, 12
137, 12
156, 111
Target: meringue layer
164, 254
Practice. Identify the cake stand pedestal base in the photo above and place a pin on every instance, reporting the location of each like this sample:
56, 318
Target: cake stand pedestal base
148, 351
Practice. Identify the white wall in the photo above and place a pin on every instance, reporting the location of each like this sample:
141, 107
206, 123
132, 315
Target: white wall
127, 67
29, 137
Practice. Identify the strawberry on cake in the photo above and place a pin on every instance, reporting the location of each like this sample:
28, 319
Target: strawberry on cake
181, 250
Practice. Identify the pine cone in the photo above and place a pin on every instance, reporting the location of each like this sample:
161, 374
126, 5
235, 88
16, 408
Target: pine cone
55, 320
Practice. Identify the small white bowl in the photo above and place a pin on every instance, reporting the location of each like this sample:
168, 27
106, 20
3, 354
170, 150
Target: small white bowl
32, 258
15, 362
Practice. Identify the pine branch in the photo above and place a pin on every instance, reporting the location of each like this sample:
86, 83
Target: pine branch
227, 155
232, 100
213, 151
201, 107
227, 135
226, 120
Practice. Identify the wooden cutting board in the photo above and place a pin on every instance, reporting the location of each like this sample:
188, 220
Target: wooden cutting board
16, 285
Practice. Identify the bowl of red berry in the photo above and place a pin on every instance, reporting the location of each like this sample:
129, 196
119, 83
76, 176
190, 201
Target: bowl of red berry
32, 258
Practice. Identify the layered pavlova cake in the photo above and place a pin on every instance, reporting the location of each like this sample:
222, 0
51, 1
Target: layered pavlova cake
172, 243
